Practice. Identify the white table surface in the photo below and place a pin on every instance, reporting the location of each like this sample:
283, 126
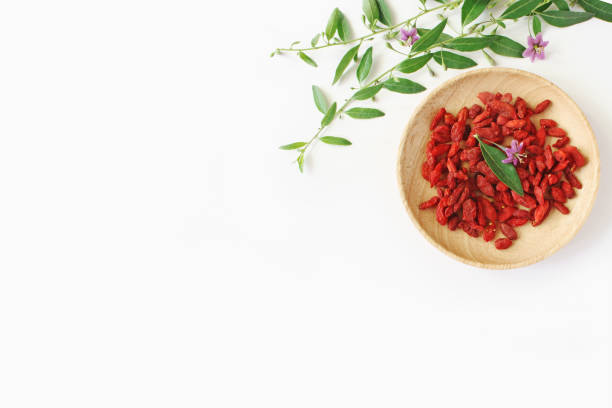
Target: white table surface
158, 250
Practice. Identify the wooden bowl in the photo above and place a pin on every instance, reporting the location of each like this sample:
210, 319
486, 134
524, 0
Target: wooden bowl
534, 243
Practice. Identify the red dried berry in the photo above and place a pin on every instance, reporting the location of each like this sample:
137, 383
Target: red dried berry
502, 243
432, 202
437, 118
548, 123
562, 209
556, 132
542, 106
508, 231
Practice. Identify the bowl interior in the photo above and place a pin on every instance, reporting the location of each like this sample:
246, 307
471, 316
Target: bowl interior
534, 243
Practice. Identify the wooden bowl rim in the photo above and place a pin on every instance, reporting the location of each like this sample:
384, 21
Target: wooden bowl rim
534, 259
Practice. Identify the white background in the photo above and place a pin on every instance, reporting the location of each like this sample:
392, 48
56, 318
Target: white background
158, 250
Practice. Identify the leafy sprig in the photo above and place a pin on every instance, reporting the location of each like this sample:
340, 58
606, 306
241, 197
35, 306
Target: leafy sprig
434, 44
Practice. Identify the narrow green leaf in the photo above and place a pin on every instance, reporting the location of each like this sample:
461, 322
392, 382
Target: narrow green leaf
429, 38
384, 13
468, 43
344, 28
542, 7
344, 62
454, 61
411, 65
537, 25
561, 4
403, 85
319, 99
443, 37
505, 46
367, 93
332, 24
601, 9
363, 69
505, 172
307, 59
334, 140
364, 113
329, 115
472, 9
300, 162
520, 8
370, 9
293, 146
561, 18
315, 39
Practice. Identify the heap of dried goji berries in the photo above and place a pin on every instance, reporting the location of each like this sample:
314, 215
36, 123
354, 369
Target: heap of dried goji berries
469, 196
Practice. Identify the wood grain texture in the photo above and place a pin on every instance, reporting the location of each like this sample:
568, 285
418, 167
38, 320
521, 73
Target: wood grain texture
534, 243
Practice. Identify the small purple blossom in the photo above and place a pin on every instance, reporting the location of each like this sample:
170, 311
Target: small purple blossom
535, 48
409, 34
514, 153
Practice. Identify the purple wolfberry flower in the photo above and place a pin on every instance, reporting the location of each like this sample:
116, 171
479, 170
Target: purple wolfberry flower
409, 34
514, 153
535, 47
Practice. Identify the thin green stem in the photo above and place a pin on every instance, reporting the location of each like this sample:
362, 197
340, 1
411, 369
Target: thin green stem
375, 33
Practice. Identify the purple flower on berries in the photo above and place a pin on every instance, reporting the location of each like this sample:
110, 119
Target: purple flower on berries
411, 35
535, 48
514, 153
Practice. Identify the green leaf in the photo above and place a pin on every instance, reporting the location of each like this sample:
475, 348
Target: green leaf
429, 38
293, 146
319, 99
561, 4
542, 7
561, 18
520, 8
454, 61
537, 25
384, 13
344, 62
468, 43
300, 162
315, 39
307, 59
472, 9
367, 93
505, 46
505, 172
332, 24
364, 113
329, 115
334, 140
364, 65
370, 9
601, 9
443, 37
411, 65
344, 28
403, 85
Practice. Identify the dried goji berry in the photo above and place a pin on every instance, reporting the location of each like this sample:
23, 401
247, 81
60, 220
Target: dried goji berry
437, 118
502, 243
508, 231
561, 142
489, 232
548, 123
432, 202
562, 209
542, 106
556, 132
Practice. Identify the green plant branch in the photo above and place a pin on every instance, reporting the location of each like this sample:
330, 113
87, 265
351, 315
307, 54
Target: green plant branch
379, 79
375, 33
